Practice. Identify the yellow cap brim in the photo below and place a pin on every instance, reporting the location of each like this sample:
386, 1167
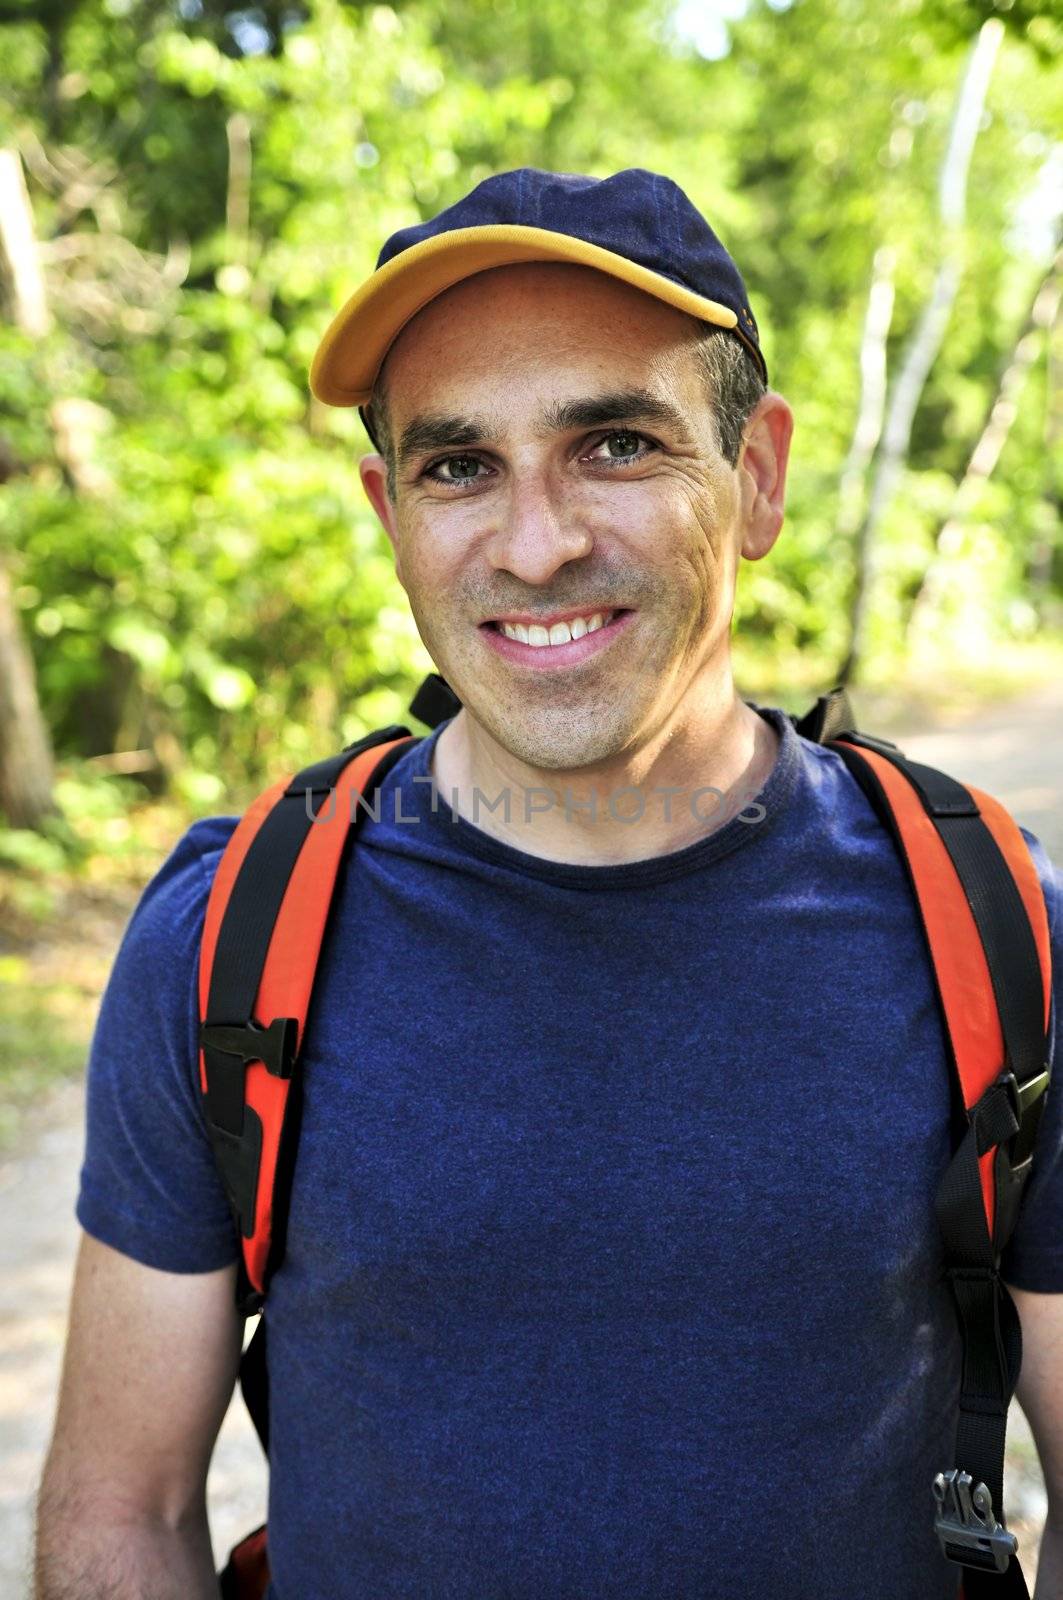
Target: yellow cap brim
350, 355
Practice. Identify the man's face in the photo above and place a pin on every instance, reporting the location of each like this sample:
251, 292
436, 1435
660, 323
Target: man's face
557, 456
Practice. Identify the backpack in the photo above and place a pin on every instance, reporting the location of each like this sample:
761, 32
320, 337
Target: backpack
983, 912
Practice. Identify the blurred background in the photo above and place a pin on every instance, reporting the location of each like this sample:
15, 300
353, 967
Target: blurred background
195, 597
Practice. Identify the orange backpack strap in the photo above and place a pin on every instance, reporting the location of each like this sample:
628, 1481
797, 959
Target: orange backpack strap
986, 925
261, 939
246, 1575
262, 935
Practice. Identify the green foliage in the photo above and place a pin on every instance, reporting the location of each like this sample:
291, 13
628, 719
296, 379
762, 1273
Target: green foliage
226, 601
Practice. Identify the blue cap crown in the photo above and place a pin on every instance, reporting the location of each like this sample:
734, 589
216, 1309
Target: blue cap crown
637, 214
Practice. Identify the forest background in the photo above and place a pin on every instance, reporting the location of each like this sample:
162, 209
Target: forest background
195, 596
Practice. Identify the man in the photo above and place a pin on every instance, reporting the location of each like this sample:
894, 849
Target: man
612, 1265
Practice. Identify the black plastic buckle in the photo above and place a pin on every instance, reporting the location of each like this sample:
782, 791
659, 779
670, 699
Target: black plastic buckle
1027, 1102
275, 1045
965, 1520
434, 701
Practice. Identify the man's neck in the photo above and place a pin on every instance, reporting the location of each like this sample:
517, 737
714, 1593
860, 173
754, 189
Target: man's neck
639, 807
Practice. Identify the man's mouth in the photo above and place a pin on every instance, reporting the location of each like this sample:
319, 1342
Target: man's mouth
557, 641
541, 635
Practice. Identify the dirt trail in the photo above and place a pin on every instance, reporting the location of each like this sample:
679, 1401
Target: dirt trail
1014, 752
38, 1239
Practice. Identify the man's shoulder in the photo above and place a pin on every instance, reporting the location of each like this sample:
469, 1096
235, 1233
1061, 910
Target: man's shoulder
199, 848
193, 860
148, 1186
1050, 876
169, 914
838, 791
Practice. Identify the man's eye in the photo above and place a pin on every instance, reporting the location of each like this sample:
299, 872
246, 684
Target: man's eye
459, 466
628, 442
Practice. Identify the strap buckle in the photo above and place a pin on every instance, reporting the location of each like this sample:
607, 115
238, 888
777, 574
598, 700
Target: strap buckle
965, 1520
1028, 1103
435, 701
275, 1046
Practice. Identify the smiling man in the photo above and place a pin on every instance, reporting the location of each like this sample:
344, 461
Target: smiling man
612, 1269
572, 568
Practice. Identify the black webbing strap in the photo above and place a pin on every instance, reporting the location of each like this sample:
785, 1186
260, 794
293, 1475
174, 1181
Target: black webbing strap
254, 1383
239, 959
230, 1035
970, 1497
830, 717
995, 901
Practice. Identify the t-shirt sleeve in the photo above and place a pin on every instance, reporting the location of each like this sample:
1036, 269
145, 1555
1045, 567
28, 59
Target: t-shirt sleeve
148, 1185
1033, 1256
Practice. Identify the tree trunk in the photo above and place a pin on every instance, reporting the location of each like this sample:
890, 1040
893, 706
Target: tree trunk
991, 442
1042, 554
25, 750
238, 190
18, 249
872, 408
926, 341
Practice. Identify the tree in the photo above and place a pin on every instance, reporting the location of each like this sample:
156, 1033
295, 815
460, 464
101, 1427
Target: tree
1031, 339
25, 749
928, 334
209, 184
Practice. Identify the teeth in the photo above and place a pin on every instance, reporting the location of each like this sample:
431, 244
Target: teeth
559, 633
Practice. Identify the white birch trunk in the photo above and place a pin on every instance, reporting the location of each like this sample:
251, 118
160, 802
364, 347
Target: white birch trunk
986, 453
926, 341
26, 774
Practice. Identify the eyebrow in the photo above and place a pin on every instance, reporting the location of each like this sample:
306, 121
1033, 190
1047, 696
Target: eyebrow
437, 432
626, 405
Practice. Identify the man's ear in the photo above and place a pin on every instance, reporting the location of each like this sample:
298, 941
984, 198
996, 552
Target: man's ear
762, 467
374, 474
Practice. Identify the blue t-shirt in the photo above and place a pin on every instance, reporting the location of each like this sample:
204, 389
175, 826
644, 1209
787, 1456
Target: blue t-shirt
613, 1267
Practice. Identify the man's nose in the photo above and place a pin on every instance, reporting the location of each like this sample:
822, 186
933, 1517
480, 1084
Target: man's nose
539, 528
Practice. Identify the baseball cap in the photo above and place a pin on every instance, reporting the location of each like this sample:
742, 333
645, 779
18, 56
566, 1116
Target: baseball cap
637, 226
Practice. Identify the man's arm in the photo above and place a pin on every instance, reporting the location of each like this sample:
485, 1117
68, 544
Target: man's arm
150, 1363
1040, 1394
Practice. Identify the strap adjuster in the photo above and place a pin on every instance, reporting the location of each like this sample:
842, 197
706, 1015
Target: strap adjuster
275, 1046
1027, 1102
965, 1521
